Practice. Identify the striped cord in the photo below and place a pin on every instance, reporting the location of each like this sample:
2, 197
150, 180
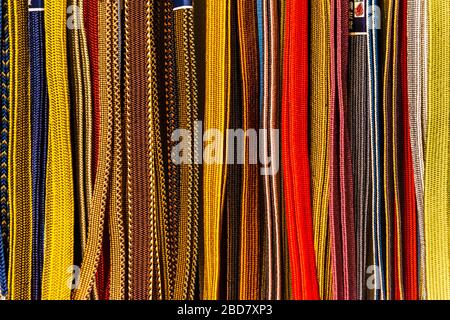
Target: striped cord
270, 123
417, 98
250, 212
343, 256
373, 43
358, 105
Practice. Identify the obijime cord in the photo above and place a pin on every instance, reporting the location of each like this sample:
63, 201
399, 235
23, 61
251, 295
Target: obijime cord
19, 160
417, 99
189, 212
319, 97
4, 209
59, 202
360, 126
437, 226
296, 173
217, 99
39, 128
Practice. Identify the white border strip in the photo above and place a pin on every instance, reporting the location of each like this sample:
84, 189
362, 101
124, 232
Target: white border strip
357, 33
182, 7
35, 9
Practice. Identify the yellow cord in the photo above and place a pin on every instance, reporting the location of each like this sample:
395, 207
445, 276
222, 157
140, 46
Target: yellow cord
59, 219
437, 167
320, 80
20, 159
217, 97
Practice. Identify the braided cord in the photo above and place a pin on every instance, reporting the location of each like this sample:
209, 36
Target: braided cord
437, 154
98, 207
20, 183
417, 100
320, 75
39, 127
59, 223
217, 95
5, 113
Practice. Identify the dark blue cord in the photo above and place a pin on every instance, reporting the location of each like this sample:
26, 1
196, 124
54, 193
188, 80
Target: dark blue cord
39, 129
377, 150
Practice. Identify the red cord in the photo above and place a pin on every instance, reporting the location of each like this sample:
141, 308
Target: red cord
295, 153
409, 221
90, 15
91, 26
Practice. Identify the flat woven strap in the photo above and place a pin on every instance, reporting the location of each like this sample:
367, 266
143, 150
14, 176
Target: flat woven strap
269, 116
81, 103
295, 159
250, 213
358, 105
391, 112
417, 99
98, 206
437, 234
19, 160
39, 129
5, 113
373, 43
59, 202
172, 123
187, 258
343, 251
234, 170
116, 219
320, 88
217, 93
409, 208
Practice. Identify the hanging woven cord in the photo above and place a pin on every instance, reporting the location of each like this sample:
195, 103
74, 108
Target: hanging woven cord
437, 236
216, 117
19, 160
417, 99
270, 125
360, 125
189, 214
319, 90
5, 112
343, 256
59, 202
296, 172
373, 43
39, 127
409, 219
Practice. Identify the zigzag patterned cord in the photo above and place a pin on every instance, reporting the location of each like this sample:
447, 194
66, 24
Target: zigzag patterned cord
19, 160
4, 137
